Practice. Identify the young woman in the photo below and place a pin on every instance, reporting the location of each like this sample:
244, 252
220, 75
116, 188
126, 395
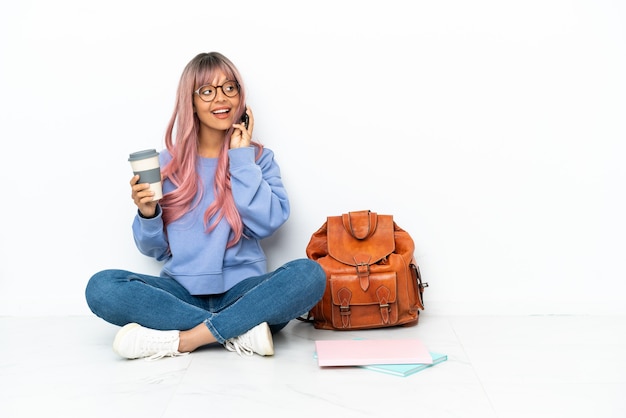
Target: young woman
223, 193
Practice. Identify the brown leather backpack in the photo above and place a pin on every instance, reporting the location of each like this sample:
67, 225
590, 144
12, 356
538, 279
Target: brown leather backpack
372, 278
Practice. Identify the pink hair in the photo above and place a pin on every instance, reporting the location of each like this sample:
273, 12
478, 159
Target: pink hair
181, 170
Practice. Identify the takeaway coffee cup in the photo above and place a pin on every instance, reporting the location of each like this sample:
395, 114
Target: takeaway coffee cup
146, 164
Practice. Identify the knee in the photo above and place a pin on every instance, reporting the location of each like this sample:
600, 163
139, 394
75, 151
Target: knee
320, 277
96, 282
318, 272
314, 274
98, 287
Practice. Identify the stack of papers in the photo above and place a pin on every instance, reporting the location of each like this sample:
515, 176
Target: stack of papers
406, 369
400, 357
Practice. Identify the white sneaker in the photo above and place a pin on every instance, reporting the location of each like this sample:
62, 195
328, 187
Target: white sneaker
134, 341
257, 340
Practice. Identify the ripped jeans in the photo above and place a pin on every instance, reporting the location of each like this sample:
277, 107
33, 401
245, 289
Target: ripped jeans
161, 303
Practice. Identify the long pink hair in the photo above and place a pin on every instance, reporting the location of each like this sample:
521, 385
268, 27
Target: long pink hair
181, 170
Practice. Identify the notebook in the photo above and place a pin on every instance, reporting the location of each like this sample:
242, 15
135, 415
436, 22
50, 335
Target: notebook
367, 352
406, 369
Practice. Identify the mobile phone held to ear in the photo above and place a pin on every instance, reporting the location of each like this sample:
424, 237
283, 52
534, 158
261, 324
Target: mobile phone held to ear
245, 119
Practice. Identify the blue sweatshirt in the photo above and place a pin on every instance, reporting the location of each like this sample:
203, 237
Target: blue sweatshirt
199, 260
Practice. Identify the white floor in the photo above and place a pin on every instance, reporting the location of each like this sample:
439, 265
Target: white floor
498, 366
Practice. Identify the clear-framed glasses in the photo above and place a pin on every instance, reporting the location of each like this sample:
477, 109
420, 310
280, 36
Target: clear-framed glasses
208, 92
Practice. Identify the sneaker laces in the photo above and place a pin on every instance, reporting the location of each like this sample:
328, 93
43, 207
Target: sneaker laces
241, 345
160, 345
164, 353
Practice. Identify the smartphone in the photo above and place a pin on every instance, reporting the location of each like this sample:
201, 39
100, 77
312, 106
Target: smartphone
245, 119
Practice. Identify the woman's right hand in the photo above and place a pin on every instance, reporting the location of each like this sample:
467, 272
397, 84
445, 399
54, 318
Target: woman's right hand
142, 196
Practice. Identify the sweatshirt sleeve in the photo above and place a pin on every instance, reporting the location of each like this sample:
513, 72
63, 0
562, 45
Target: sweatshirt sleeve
258, 190
150, 237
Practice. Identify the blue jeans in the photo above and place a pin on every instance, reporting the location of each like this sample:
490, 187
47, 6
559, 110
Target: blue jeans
161, 303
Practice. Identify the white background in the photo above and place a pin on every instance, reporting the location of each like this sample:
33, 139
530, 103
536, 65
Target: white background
493, 131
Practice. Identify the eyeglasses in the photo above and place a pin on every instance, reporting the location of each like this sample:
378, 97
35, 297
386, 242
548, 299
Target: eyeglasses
208, 92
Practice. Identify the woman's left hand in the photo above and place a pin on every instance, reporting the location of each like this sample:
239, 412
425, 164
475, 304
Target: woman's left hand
242, 136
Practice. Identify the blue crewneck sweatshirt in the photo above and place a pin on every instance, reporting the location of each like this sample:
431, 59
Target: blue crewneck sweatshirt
199, 260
